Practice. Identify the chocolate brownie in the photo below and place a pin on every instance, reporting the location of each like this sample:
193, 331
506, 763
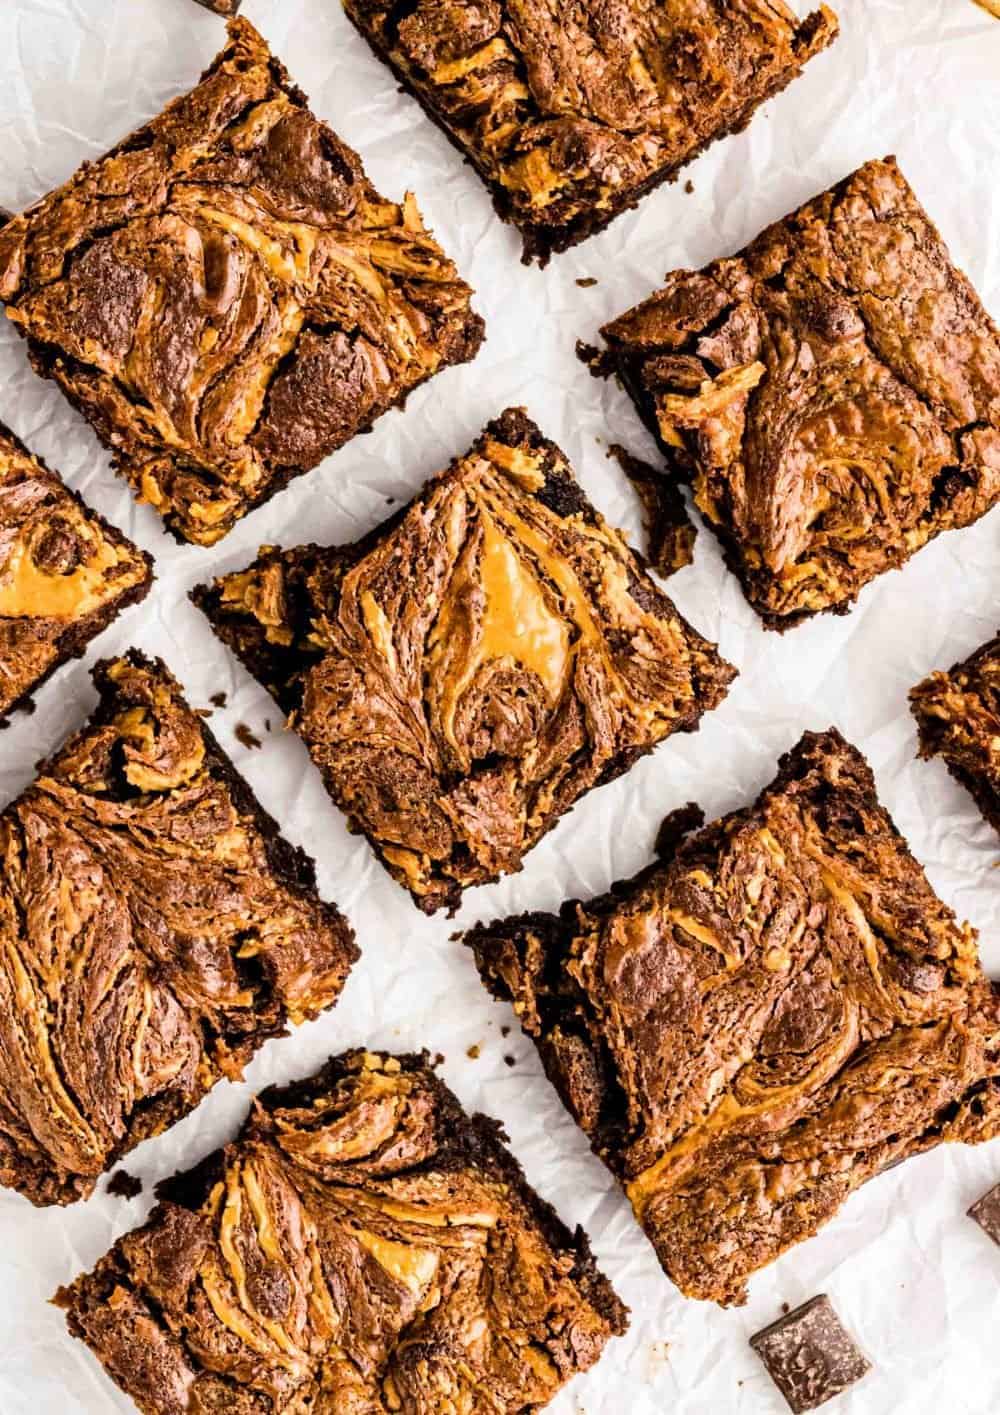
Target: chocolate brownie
363, 1245
156, 930
810, 1355
65, 574
773, 1014
958, 719
571, 113
227, 298
466, 672
832, 394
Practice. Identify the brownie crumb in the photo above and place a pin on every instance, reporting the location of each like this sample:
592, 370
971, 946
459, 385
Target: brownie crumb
438, 1059
218, 700
203, 712
243, 734
509, 1060
670, 532
689, 186
505, 1031
586, 281
474, 1052
124, 1185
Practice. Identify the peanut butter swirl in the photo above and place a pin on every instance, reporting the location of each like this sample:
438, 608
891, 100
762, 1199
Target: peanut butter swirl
570, 112
958, 718
154, 931
64, 572
363, 1248
756, 1026
227, 298
465, 675
831, 394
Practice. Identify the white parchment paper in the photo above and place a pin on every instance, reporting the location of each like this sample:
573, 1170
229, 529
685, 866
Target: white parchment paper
915, 1280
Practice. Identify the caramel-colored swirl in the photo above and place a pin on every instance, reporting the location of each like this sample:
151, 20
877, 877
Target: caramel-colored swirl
150, 937
230, 297
362, 1249
462, 681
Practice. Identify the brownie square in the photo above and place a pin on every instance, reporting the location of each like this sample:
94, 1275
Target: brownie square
831, 394
65, 573
571, 114
464, 674
157, 930
756, 1025
958, 719
227, 298
810, 1355
363, 1245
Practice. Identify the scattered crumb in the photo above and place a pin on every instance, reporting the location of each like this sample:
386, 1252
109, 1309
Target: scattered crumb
124, 1185
267, 724
659, 1352
586, 281
509, 1060
590, 355
243, 734
203, 712
689, 186
4, 723
505, 1030
785, 1308
218, 700
29, 707
438, 1059
390, 501
473, 1052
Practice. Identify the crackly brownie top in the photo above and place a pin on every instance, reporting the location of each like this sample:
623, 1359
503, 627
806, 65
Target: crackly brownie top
465, 674
363, 1247
155, 930
227, 297
833, 393
62, 569
567, 107
761, 1023
958, 717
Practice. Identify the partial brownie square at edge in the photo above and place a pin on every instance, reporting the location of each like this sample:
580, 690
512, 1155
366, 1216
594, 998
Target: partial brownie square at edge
571, 114
227, 298
469, 670
65, 573
831, 394
363, 1244
958, 719
775, 1013
159, 930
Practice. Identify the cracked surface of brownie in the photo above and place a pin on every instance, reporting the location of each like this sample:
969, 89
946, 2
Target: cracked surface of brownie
227, 298
363, 1247
958, 719
65, 573
155, 930
755, 1026
465, 673
570, 113
832, 394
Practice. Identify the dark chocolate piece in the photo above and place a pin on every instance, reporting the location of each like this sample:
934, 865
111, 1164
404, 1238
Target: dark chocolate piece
831, 394
227, 298
986, 1212
809, 1355
362, 1246
124, 1185
65, 573
760, 1023
157, 931
468, 671
958, 719
670, 532
571, 113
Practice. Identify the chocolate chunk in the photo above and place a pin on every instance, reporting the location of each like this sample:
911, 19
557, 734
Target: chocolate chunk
218, 700
245, 736
124, 1185
809, 1355
986, 1212
832, 414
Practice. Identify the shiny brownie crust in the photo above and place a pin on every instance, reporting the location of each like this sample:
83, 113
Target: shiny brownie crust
363, 1244
466, 672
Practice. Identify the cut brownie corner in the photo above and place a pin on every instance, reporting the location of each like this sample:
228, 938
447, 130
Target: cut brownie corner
366, 1188
808, 392
468, 671
958, 719
709, 1022
66, 573
564, 124
156, 898
294, 304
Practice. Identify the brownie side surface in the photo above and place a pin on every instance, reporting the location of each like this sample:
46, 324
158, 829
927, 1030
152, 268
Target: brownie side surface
227, 298
65, 573
571, 115
958, 719
762, 1022
158, 931
831, 394
363, 1245
464, 675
